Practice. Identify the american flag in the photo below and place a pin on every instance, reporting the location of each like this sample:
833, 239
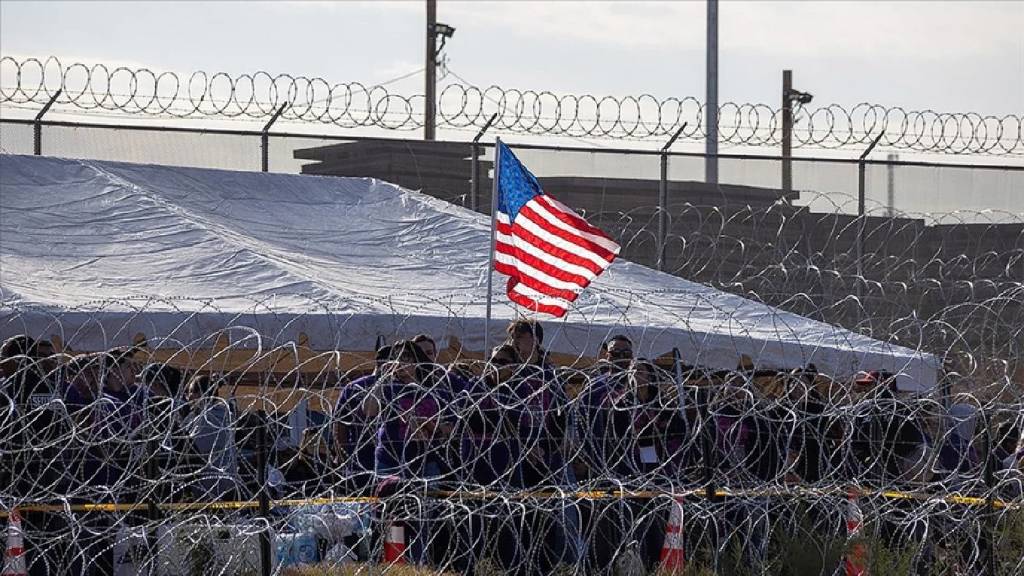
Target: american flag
549, 252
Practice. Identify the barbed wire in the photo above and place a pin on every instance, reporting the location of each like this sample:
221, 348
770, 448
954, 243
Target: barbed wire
141, 91
172, 463
182, 453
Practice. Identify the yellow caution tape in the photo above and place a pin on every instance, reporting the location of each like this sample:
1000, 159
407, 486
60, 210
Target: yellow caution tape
548, 494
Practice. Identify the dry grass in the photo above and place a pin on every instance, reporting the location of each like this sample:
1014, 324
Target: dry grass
361, 569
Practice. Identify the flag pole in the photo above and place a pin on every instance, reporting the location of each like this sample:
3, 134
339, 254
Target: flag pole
494, 239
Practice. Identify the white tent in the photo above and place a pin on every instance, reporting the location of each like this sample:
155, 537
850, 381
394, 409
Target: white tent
97, 252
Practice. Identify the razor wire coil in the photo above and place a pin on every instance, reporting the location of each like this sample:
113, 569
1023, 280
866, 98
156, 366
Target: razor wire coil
169, 479
219, 95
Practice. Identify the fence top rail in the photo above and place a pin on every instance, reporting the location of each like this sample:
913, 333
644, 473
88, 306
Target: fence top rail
522, 146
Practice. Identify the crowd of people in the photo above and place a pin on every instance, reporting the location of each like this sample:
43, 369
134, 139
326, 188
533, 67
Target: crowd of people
107, 427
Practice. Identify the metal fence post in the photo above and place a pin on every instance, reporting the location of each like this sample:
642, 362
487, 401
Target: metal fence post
710, 454
890, 188
474, 173
989, 528
787, 131
265, 140
862, 209
266, 559
663, 198
37, 126
152, 511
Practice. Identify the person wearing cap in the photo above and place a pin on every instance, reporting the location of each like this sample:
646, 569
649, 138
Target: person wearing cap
595, 448
888, 441
38, 421
589, 417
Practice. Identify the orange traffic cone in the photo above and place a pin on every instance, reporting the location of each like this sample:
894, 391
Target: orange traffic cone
673, 553
14, 555
854, 562
394, 545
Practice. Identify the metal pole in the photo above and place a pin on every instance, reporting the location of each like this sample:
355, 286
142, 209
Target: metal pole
787, 131
494, 237
37, 127
862, 206
677, 369
990, 511
710, 448
474, 177
662, 208
265, 139
890, 189
663, 198
711, 101
152, 511
474, 174
266, 559
429, 102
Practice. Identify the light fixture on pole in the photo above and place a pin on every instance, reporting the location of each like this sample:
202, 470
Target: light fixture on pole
445, 32
433, 51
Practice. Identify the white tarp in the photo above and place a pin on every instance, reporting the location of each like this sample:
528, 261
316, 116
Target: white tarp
97, 252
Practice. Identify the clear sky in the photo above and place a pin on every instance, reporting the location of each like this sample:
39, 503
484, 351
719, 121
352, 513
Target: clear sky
945, 56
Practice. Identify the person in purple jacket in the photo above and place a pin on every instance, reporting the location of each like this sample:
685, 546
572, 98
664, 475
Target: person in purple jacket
353, 433
441, 375
107, 408
448, 382
488, 460
598, 447
598, 452
488, 438
413, 422
540, 416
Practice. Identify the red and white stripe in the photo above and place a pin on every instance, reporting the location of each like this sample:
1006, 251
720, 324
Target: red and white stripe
550, 255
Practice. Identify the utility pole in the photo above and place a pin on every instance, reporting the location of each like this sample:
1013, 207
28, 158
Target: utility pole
430, 101
711, 100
